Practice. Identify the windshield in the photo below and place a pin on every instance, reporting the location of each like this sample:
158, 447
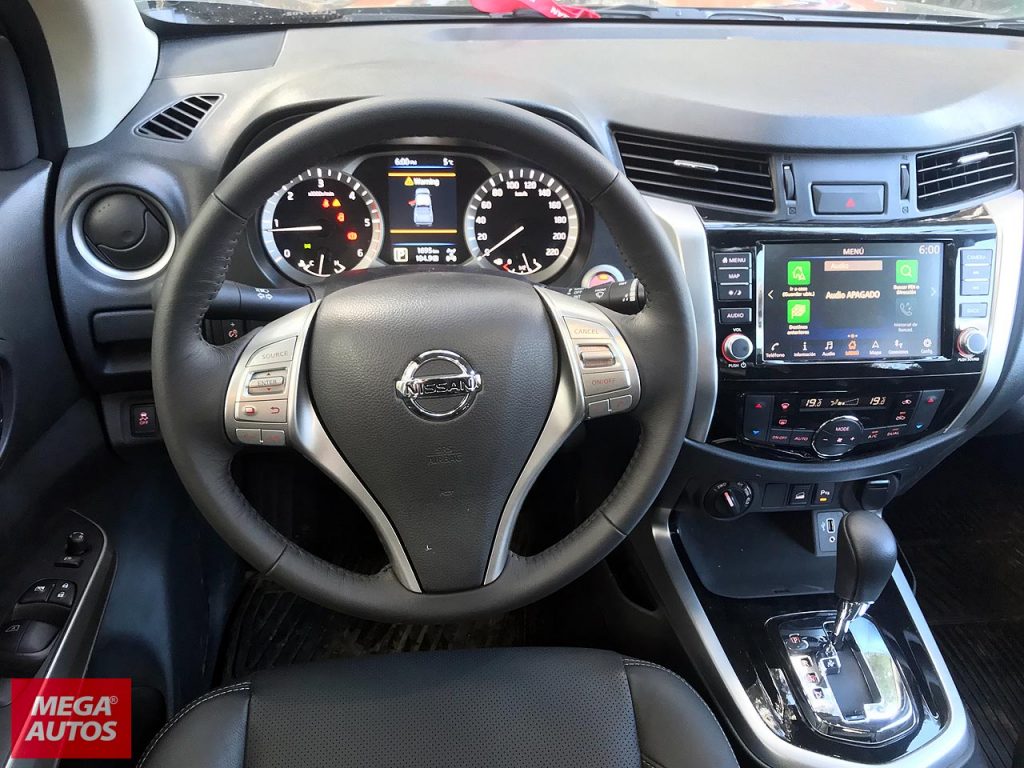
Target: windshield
237, 12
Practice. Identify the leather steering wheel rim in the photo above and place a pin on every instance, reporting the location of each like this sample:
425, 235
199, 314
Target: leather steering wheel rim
190, 376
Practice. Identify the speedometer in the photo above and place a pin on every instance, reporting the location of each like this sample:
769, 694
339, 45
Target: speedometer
523, 221
322, 223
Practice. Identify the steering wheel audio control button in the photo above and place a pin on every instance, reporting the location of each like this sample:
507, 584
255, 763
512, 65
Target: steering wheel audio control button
266, 411
267, 382
273, 354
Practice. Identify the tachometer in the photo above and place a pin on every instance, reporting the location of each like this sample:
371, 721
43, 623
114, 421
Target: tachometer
523, 221
322, 223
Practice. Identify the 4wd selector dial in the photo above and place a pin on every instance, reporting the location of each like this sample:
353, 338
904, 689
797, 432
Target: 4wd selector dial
837, 436
736, 347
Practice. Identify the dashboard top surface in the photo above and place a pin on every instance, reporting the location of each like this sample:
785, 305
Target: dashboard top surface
858, 88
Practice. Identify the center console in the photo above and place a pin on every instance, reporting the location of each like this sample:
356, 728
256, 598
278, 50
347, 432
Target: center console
832, 342
839, 362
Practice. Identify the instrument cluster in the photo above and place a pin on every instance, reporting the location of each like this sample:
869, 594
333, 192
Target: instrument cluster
425, 206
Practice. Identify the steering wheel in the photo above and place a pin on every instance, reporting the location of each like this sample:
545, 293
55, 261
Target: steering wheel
434, 399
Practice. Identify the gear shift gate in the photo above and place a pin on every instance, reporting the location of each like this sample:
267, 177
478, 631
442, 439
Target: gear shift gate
856, 693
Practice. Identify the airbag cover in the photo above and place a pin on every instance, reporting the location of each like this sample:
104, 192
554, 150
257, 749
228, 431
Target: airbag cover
442, 481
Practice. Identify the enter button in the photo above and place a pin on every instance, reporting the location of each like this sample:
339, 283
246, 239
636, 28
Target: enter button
842, 199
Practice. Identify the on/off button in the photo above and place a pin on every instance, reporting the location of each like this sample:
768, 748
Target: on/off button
609, 381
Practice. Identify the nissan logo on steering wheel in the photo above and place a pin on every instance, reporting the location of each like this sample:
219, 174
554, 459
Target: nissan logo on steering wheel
439, 385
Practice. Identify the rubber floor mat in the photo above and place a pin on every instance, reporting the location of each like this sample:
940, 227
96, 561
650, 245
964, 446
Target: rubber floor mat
273, 627
964, 542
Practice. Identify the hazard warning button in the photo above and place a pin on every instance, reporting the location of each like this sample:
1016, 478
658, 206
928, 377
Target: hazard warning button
833, 199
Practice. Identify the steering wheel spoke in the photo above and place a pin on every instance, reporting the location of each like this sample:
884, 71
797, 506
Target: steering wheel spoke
268, 405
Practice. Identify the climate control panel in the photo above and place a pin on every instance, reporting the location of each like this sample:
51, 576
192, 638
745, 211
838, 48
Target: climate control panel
831, 424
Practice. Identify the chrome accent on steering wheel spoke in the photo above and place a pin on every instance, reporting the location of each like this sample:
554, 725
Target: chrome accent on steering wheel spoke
597, 376
268, 404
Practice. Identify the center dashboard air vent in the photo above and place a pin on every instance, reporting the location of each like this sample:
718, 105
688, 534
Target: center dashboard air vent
178, 121
714, 175
966, 172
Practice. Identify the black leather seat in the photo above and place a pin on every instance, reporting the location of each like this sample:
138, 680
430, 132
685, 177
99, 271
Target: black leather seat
511, 708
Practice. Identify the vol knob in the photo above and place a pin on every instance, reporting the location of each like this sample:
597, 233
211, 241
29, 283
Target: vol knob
971, 342
736, 348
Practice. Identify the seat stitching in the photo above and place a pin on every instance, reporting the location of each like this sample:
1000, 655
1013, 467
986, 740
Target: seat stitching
174, 720
649, 762
651, 665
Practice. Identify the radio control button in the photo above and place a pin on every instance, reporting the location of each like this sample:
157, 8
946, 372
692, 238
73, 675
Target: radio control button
733, 275
838, 436
735, 315
974, 287
971, 342
972, 310
975, 272
736, 348
734, 292
737, 259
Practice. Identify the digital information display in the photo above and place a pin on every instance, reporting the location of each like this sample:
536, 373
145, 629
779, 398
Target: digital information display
833, 302
423, 211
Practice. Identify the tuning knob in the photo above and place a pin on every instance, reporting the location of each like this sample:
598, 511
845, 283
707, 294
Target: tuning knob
736, 348
971, 342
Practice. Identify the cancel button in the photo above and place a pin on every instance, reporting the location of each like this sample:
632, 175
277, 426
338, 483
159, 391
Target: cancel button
606, 381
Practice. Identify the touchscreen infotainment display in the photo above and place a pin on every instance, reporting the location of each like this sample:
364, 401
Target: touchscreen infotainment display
831, 302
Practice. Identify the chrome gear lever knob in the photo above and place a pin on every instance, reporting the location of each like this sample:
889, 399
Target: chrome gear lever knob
865, 558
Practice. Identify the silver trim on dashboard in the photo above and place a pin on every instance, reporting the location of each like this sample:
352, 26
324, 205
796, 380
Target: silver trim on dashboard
951, 747
686, 230
1008, 214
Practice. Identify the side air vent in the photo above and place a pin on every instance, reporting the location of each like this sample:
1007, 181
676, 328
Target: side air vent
715, 175
953, 175
178, 121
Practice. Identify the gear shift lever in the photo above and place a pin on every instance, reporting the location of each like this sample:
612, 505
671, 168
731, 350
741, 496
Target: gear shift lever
865, 558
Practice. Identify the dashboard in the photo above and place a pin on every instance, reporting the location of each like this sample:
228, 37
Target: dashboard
843, 286
425, 205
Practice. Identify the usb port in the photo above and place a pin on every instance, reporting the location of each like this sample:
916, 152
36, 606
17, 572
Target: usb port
830, 525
